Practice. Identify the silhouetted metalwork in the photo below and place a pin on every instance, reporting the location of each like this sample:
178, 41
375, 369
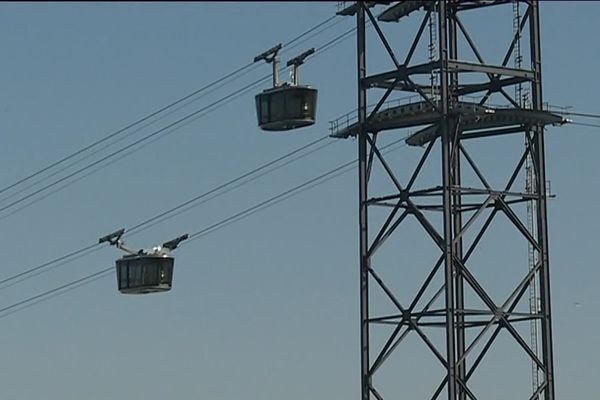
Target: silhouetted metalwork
450, 106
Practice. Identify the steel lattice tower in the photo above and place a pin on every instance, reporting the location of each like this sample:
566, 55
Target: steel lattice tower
459, 211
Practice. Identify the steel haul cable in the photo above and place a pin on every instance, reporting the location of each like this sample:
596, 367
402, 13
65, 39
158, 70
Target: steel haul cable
79, 253
174, 125
43, 295
88, 249
160, 110
320, 179
173, 212
86, 280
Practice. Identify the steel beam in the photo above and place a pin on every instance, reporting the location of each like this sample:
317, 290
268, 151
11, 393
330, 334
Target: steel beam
492, 87
447, 126
402, 72
458, 229
542, 218
463, 66
363, 177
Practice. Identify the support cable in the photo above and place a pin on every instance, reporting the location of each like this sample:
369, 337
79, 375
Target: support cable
170, 127
165, 108
231, 185
124, 129
307, 185
577, 114
585, 124
68, 287
88, 249
40, 296
96, 246
122, 149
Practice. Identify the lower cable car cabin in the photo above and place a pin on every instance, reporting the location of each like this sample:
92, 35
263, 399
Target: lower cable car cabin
286, 107
144, 273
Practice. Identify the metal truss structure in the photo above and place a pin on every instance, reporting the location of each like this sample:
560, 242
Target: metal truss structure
458, 211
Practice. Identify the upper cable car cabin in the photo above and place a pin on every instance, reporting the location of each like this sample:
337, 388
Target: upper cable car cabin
285, 106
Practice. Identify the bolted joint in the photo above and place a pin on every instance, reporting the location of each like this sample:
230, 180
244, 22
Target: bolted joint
404, 195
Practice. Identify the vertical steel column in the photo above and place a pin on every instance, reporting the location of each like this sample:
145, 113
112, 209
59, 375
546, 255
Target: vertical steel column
446, 125
461, 370
539, 158
362, 193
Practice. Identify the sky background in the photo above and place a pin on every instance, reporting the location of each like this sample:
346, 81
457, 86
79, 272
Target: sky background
266, 307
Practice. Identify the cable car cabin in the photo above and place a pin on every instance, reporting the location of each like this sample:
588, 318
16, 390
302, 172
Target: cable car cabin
286, 107
144, 273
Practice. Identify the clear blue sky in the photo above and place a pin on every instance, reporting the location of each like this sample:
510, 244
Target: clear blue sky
268, 307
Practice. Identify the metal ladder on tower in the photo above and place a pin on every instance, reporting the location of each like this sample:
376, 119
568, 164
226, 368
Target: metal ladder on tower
522, 97
433, 53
